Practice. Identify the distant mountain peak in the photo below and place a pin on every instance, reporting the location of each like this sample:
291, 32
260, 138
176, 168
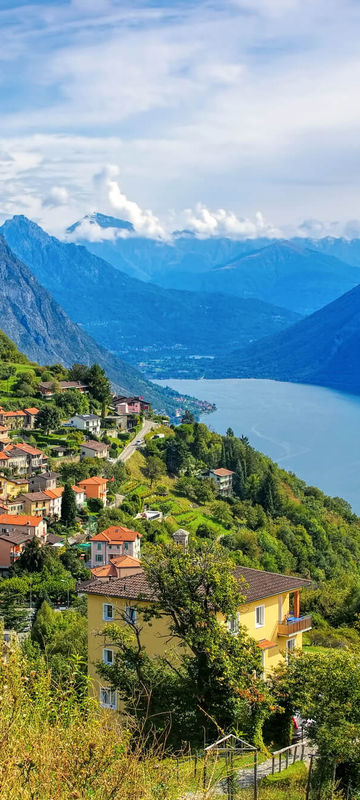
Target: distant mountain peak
103, 220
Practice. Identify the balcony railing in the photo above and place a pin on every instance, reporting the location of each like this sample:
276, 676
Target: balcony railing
294, 625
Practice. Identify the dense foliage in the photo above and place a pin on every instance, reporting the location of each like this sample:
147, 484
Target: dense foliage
274, 520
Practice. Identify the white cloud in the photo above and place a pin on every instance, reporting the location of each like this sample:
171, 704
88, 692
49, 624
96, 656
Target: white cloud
206, 223
57, 196
144, 221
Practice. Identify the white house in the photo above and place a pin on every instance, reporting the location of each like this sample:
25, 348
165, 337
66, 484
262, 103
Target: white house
86, 422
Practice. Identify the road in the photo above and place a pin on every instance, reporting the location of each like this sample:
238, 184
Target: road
131, 448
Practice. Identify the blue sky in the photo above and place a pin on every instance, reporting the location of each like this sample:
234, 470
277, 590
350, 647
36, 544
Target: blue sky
237, 117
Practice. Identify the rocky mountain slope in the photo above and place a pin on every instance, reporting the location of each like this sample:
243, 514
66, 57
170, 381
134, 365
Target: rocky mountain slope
43, 331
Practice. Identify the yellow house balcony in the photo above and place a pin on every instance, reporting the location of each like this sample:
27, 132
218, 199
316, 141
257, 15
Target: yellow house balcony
294, 625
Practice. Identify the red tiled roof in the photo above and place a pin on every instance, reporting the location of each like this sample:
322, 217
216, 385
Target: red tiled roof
32, 410
265, 644
13, 414
96, 480
19, 519
3, 455
53, 493
78, 489
222, 472
106, 571
116, 533
27, 448
125, 561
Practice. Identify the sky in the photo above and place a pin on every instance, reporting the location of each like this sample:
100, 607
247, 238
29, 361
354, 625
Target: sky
236, 117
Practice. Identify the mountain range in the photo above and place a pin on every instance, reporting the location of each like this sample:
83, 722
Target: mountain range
44, 332
302, 275
245, 308
323, 349
130, 316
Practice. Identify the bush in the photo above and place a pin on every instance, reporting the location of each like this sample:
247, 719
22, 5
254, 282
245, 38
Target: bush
94, 504
296, 773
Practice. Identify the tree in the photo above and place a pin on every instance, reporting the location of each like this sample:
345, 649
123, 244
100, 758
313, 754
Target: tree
48, 418
13, 594
188, 418
95, 504
222, 513
154, 468
68, 506
230, 432
33, 558
213, 679
196, 590
325, 687
98, 383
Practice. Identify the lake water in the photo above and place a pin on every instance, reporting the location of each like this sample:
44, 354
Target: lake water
311, 431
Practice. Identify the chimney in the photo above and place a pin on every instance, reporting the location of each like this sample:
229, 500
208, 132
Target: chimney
181, 537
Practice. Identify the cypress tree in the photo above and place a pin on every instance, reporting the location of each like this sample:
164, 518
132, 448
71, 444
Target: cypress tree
68, 506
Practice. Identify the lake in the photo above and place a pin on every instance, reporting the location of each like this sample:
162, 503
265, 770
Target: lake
309, 430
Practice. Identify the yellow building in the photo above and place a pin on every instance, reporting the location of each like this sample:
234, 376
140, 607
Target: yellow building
270, 612
12, 487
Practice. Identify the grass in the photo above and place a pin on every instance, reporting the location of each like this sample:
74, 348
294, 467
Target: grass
190, 771
182, 512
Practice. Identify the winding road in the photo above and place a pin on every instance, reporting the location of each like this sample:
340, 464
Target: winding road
131, 448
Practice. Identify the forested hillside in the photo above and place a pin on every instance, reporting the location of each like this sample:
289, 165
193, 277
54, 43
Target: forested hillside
273, 520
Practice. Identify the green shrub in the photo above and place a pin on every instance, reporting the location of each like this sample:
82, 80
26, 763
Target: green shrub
296, 773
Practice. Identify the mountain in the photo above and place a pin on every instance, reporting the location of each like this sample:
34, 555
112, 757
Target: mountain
154, 260
323, 349
103, 221
281, 273
131, 317
300, 274
42, 330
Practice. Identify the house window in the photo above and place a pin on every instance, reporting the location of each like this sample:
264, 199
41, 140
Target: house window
126, 547
107, 697
108, 656
130, 615
108, 612
233, 624
99, 546
290, 645
98, 558
259, 616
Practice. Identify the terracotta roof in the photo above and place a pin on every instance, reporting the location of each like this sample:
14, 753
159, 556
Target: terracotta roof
13, 414
27, 448
265, 584
52, 493
96, 480
19, 519
78, 489
125, 561
106, 571
32, 410
2, 428
92, 445
260, 585
3, 456
265, 644
116, 533
222, 472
